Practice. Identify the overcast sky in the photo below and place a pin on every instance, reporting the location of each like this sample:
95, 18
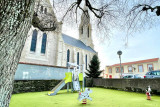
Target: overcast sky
144, 45
141, 46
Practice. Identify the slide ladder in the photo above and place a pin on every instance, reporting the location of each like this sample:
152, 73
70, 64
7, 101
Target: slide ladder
76, 86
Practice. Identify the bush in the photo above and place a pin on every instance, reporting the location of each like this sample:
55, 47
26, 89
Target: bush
21, 86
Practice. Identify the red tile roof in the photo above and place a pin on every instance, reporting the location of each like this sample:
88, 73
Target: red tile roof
137, 62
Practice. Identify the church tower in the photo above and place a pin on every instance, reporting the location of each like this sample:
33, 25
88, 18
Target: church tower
85, 29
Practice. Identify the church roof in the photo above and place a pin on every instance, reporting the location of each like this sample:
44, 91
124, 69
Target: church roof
77, 43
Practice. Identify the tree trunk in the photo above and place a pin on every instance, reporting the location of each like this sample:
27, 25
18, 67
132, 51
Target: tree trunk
15, 22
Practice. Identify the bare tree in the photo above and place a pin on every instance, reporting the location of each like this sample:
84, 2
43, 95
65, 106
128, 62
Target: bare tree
108, 15
104, 14
141, 15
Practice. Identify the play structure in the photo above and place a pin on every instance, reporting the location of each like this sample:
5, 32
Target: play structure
74, 78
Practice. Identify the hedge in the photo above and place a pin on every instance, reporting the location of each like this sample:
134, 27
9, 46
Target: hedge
21, 86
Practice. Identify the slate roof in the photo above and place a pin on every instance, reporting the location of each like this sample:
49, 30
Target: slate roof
77, 43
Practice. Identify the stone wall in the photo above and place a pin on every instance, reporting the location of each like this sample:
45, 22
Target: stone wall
128, 84
135, 85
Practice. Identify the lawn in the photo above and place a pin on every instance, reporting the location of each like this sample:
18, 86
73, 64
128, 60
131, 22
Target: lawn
101, 98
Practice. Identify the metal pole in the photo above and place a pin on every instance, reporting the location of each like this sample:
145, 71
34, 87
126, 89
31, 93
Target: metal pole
120, 66
120, 53
83, 78
67, 87
68, 71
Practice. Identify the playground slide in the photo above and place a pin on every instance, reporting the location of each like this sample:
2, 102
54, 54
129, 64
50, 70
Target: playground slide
57, 88
68, 78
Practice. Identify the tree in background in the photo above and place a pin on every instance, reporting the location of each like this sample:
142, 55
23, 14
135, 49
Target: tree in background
93, 71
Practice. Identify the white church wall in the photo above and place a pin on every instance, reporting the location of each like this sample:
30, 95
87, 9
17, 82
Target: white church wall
52, 50
64, 55
60, 44
73, 55
50, 56
37, 57
56, 49
59, 53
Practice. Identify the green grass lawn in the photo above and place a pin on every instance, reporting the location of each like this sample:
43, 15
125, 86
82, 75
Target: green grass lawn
101, 98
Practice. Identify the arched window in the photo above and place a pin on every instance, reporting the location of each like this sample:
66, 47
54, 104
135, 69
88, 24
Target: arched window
88, 31
86, 62
44, 40
77, 58
41, 9
34, 41
68, 56
45, 10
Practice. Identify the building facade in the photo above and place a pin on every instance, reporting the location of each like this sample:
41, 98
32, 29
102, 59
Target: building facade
136, 67
54, 48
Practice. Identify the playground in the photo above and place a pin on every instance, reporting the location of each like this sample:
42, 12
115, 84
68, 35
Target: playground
101, 97
76, 94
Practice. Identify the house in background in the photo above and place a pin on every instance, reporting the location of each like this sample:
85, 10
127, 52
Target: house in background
136, 67
102, 75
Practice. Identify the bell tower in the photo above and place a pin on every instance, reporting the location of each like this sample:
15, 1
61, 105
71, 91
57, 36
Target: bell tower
85, 29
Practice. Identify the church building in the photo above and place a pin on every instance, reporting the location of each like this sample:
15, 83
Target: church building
47, 52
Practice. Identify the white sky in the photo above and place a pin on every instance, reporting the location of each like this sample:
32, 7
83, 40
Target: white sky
144, 45
141, 46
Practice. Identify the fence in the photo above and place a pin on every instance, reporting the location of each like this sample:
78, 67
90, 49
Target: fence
128, 84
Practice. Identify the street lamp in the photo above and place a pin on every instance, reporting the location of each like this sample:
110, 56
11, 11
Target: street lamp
120, 53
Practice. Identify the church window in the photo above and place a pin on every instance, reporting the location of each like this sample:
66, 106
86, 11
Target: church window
68, 56
150, 67
86, 62
41, 9
45, 10
44, 40
88, 31
77, 58
34, 41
